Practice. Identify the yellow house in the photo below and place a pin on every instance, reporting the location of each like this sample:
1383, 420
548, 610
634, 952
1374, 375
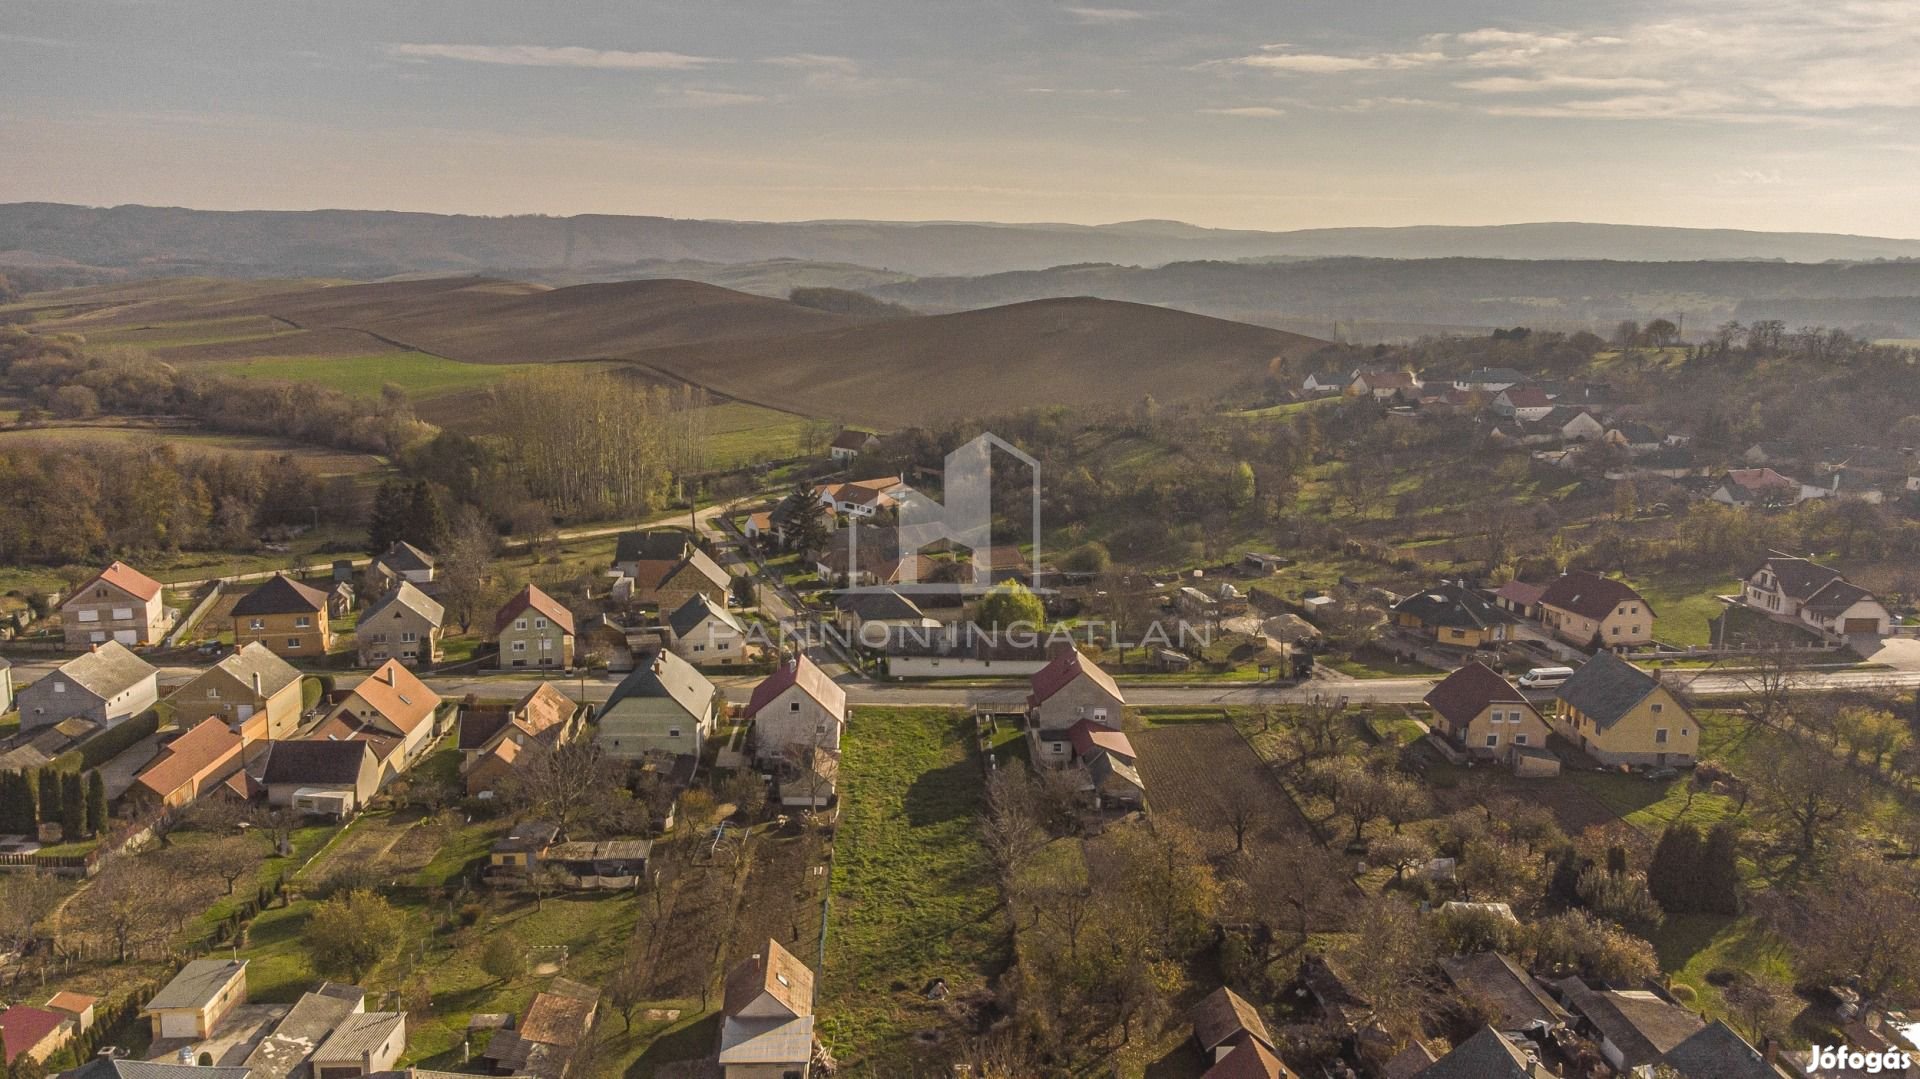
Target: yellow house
1482, 713
1587, 610
1453, 614
256, 692
1620, 714
288, 617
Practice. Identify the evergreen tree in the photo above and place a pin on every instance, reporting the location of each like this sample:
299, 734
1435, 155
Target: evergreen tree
17, 808
801, 522
426, 521
1564, 887
1719, 877
73, 805
1673, 876
388, 522
48, 782
96, 803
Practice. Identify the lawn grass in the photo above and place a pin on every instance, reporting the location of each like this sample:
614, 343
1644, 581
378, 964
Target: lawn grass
421, 374
740, 433
913, 895
1684, 604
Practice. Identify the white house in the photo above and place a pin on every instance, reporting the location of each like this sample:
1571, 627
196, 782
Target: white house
706, 633
1523, 403
1816, 596
797, 705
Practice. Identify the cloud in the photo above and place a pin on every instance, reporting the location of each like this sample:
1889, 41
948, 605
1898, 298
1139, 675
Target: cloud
1309, 63
1513, 84
692, 97
1110, 14
554, 56
1252, 112
838, 74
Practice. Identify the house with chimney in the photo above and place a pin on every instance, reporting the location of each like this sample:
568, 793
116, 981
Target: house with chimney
1453, 614
321, 778
285, 615
1233, 1038
534, 630
850, 443
556, 1026
404, 625
205, 759
797, 705
117, 604
1069, 689
34, 1034
1620, 714
392, 711
404, 562
1806, 593
254, 691
705, 633
1481, 714
767, 1025
494, 741
1589, 611
197, 998
664, 705
668, 568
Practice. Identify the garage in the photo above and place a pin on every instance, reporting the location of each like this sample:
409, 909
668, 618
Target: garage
1860, 625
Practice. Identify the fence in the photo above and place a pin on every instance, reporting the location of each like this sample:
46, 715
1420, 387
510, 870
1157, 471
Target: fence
213, 589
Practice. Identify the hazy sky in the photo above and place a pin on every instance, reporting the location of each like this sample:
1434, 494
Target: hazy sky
1766, 114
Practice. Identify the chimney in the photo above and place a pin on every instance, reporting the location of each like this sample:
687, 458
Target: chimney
387, 675
256, 683
186, 1056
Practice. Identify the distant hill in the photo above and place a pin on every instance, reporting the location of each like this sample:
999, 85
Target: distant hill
367, 245
883, 371
1363, 298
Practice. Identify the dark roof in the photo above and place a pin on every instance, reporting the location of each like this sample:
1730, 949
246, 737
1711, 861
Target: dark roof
1250, 1060
404, 556
197, 984
1637, 433
1590, 595
1837, 597
878, 606
661, 674
1224, 1015
1451, 603
1800, 578
1486, 1055
1716, 1052
1493, 374
697, 609
281, 595
1606, 687
1499, 981
1642, 1026
301, 1031
479, 725
852, 440
315, 762
656, 545
1467, 692
961, 639
110, 1068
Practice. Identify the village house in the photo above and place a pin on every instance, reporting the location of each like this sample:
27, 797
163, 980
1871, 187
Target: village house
286, 616
1716, 1052
663, 706
767, 1029
1635, 1028
1763, 488
850, 443
1381, 385
1620, 714
364, 1043
1325, 383
880, 608
1635, 438
703, 632
194, 1002
392, 711
1489, 379
518, 852
321, 778
809, 777
1228, 1028
1520, 598
797, 705
290, 1048
1514, 1001
1453, 614
534, 630
105, 686
556, 1026
204, 759
1572, 424
1070, 688
1489, 1054
30, 751
668, 568
958, 650
33, 1033
75, 1006
405, 625
403, 562
860, 498
493, 740
255, 692
1807, 593
1527, 404
1482, 713
118, 604
1587, 610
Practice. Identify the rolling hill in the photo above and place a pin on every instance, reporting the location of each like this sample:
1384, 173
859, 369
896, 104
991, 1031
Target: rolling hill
881, 371
363, 244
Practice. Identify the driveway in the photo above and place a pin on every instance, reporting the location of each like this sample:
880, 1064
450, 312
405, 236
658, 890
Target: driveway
1900, 653
118, 773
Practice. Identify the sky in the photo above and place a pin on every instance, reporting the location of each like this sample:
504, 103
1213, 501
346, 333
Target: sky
1274, 114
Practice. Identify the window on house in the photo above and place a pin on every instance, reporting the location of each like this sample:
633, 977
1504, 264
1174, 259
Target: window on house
793, 706
520, 624
214, 693
408, 636
1657, 708
1493, 740
89, 616
1660, 736
293, 643
1684, 732
123, 612
258, 623
1519, 739
673, 732
1636, 629
539, 623
302, 622
519, 646
59, 687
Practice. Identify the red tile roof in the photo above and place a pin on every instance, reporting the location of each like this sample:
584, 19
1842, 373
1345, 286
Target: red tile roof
1061, 671
207, 747
23, 1027
1088, 736
812, 681
396, 694
1466, 693
126, 579
531, 598
1526, 397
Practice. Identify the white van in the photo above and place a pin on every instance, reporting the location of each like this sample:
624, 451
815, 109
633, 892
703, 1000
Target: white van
1545, 677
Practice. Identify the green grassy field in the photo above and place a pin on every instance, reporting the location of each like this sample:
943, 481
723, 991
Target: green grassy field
738, 433
420, 374
190, 332
1684, 604
913, 894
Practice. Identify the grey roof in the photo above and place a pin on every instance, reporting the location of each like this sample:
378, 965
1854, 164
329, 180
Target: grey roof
284, 1052
403, 556
197, 983
281, 595
766, 1041
110, 1068
701, 562
661, 674
1642, 1026
1800, 578
359, 1034
412, 599
275, 673
1451, 603
1716, 1052
1606, 687
880, 606
697, 610
1837, 596
321, 762
107, 671
657, 545
1486, 1055
1500, 982
1493, 374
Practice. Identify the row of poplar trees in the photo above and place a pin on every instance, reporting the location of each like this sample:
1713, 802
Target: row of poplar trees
51, 796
